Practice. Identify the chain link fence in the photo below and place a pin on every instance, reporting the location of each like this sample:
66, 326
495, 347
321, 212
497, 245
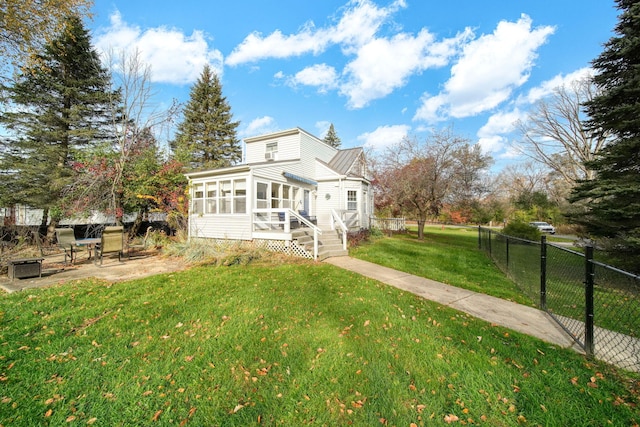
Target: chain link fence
596, 304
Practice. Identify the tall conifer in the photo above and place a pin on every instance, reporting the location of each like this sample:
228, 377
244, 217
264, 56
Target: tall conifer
58, 106
613, 197
331, 138
206, 138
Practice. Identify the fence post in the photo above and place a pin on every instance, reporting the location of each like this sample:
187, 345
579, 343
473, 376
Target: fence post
543, 272
507, 247
588, 291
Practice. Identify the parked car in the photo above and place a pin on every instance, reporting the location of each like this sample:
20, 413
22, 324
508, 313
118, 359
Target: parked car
545, 227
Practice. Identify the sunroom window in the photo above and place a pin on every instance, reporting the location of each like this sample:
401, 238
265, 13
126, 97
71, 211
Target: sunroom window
198, 198
240, 196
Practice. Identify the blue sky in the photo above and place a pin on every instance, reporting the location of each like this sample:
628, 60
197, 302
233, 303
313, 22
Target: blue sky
377, 69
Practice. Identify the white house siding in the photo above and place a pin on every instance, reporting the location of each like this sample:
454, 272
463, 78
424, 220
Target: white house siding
288, 147
311, 149
223, 226
325, 205
232, 227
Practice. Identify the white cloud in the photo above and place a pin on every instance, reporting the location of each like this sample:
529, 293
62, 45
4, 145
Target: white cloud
322, 76
548, 87
385, 64
322, 127
494, 136
380, 66
384, 136
361, 19
173, 56
259, 126
500, 123
488, 71
276, 45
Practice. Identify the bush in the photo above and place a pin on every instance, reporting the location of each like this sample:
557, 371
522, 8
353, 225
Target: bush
522, 230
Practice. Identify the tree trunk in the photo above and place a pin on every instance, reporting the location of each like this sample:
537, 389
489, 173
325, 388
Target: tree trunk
51, 230
135, 227
421, 223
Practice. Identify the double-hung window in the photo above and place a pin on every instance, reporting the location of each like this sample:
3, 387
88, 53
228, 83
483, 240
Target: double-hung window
212, 197
220, 197
240, 196
198, 199
352, 200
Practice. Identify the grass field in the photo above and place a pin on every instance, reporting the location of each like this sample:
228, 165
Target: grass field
448, 255
283, 344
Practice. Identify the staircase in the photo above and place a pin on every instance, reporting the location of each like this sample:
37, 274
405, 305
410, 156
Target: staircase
329, 244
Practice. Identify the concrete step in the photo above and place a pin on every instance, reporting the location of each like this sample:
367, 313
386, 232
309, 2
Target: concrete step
329, 242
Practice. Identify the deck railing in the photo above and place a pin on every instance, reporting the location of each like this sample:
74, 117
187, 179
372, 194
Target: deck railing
280, 221
338, 224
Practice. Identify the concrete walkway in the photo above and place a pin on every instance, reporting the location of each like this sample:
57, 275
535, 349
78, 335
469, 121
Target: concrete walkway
517, 317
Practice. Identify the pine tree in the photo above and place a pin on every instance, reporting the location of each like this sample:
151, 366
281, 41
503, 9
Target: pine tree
331, 138
59, 106
613, 198
206, 138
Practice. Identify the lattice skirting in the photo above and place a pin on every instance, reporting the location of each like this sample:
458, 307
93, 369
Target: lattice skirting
284, 246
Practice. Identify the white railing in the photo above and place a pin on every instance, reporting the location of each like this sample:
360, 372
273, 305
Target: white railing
389, 224
280, 220
336, 220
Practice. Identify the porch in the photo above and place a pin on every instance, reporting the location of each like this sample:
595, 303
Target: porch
286, 230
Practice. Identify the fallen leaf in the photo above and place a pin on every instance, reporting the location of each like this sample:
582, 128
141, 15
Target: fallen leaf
366, 323
91, 421
71, 418
237, 408
450, 418
156, 416
48, 413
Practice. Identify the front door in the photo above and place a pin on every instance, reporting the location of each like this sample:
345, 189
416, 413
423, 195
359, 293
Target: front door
305, 201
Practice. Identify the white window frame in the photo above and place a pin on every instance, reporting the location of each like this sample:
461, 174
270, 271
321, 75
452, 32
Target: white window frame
352, 202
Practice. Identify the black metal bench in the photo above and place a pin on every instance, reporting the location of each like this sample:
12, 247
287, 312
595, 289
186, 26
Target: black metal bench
23, 268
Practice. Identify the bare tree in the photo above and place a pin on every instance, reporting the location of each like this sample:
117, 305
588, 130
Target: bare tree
554, 135
106, 172
521, 178
418, 177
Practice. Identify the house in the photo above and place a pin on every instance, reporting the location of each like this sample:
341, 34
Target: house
294, 193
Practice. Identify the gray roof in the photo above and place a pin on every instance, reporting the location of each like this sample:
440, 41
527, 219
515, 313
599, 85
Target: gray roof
344, 160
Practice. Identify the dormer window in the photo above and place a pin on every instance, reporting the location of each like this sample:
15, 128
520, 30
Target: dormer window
271, 151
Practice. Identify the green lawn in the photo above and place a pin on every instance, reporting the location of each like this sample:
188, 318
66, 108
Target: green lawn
449, 256
288, 345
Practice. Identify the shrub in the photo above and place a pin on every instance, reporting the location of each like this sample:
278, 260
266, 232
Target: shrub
521, 230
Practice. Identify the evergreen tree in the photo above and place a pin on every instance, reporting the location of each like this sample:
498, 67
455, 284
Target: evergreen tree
331, 138
612, 199
59, 106
206, 138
